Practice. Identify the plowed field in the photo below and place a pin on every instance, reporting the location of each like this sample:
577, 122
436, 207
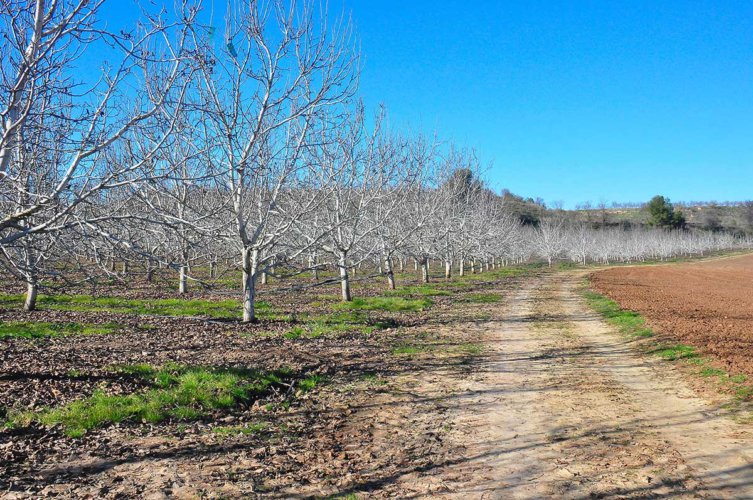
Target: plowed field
708, 305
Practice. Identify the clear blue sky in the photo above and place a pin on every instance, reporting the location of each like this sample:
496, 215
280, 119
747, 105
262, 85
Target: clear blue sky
570, 100
575, 100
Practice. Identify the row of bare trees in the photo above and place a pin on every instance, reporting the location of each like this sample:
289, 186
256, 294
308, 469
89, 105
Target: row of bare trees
246, 150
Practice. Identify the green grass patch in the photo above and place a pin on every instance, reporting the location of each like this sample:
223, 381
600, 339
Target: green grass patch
334, 323
225, 309
565, 266
712, 372
427, 290
178, 392
408, 349
482, 298
30, 330
309, 383
392, 304
627, 322
675, 352
471, 349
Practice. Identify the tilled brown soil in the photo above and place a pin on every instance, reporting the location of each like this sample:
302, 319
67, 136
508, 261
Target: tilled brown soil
708, 305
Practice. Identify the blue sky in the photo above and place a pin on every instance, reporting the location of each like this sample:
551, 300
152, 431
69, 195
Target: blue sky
571, 100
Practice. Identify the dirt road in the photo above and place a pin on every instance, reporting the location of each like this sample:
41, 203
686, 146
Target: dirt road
565, 408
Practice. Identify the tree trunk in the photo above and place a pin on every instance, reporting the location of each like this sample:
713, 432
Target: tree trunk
473, 266
461, 266
402, 264
124, 269
32, 289
149, 271
344, 278
213, 269
447, 269
314, 265
250, 258
425, 271
390, 274
415, 264
264, 277
183, 283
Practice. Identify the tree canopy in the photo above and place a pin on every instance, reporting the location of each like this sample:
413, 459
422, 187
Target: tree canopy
663, 214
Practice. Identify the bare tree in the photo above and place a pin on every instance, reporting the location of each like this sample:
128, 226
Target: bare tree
70, 126
279, 66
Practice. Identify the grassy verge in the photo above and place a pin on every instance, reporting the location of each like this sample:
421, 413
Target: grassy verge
627, 322
223, 309
177, 392
31, 330
633, 325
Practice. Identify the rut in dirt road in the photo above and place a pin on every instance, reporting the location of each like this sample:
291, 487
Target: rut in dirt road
566, 408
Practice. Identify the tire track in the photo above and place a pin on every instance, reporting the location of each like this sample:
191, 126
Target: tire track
564, 408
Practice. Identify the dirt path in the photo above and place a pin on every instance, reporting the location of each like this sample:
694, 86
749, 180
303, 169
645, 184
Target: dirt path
565, 408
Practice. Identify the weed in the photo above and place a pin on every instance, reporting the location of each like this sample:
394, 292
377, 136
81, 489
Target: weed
471, 349
673, 353
408, 349
309, 383
295, 333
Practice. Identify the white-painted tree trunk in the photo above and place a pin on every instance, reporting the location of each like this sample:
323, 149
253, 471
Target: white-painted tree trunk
390, 274
183, 280
342, 264
425, 271
250, 266
32, 290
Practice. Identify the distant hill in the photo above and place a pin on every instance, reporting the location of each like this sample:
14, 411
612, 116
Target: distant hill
735, 217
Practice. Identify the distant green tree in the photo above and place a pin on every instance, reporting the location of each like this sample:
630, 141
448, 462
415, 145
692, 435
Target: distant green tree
662, 214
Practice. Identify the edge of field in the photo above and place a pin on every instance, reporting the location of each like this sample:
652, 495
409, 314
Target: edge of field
704, 372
